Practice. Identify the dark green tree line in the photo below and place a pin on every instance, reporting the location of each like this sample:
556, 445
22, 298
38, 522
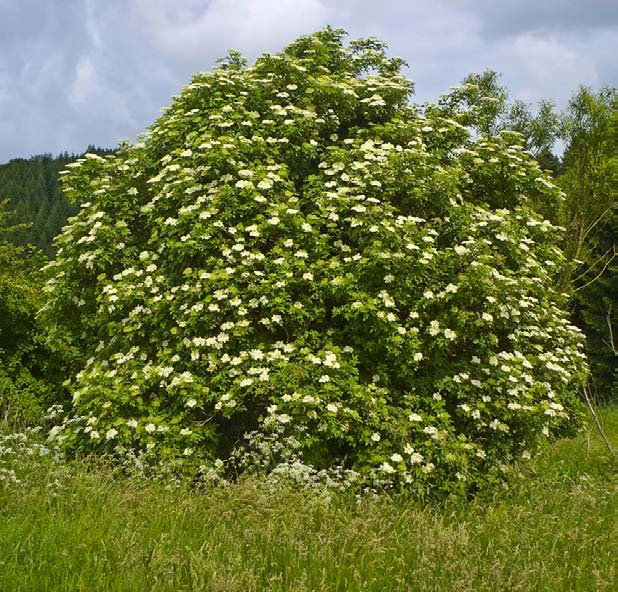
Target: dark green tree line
34, 196
590, 180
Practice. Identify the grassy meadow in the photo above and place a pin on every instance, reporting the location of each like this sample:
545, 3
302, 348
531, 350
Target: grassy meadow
76, 527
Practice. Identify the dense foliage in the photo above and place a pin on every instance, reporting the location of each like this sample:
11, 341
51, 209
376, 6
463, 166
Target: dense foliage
296, 266
588, 174
29, 371
596, 309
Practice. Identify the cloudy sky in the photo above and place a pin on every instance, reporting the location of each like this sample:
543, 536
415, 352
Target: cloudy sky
79, 72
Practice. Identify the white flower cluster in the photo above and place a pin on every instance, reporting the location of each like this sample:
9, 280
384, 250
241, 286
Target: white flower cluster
21, 451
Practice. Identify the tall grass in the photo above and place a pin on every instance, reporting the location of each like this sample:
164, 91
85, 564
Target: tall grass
76, 527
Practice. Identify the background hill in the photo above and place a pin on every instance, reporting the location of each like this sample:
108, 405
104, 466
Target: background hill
31, 191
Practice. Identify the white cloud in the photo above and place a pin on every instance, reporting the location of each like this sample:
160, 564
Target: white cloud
545, 66
252, 26
91, 24
85, 84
